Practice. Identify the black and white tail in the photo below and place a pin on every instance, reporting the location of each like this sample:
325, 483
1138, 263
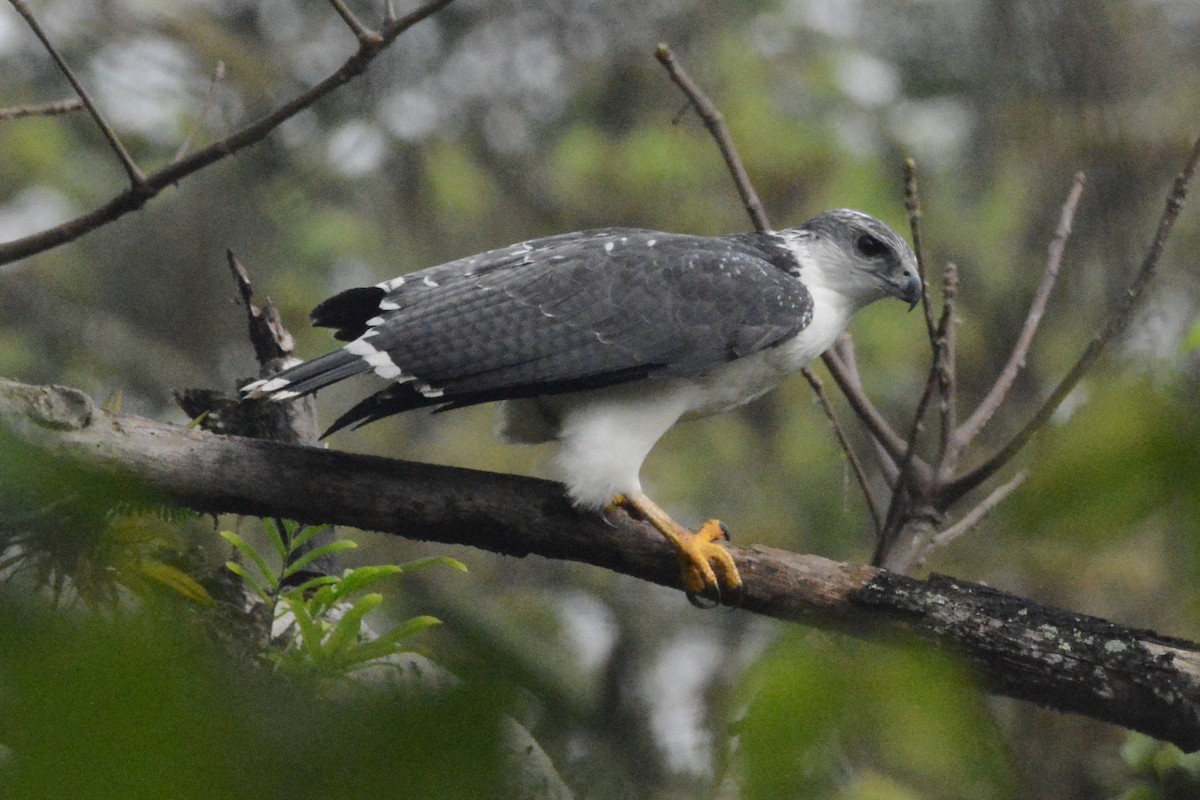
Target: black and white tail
308, 377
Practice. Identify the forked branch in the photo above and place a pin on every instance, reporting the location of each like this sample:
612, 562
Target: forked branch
1116, 323
138, 194
136, 177
1016, 361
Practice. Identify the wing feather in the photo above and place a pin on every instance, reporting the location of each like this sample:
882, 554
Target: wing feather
566, 313
582, 307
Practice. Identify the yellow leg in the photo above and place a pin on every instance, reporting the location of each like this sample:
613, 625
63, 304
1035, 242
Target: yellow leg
706, 568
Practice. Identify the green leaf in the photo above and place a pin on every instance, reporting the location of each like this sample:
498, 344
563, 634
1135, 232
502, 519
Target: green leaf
391, 642
277, 534
345, 632
311, 631
175, 578
362, 578
423, 563
244, 574
303, 589
244, 547
312, 555
303, 535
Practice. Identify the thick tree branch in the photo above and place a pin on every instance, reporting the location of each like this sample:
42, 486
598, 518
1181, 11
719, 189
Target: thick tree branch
1133, 678
140, 193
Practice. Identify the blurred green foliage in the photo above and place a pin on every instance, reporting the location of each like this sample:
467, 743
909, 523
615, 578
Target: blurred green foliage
144, 705
503, 121
838, 720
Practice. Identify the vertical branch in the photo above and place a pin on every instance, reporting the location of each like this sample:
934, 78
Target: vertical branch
912, 202
947, 368
909, 483
136, 177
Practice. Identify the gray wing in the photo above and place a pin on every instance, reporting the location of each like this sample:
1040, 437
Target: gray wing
558, 314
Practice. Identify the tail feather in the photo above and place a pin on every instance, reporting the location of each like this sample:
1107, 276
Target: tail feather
394, 399
308, 377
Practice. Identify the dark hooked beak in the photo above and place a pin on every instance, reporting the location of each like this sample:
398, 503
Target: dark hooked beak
910, 292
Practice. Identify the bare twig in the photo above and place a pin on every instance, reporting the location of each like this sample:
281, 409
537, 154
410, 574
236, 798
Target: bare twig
136, 177
910, 481
206, 106
1115, 323
396, 26
860, 474
42, 109
361, 31
1016, 360
847, 380
946, 365
134, 198
908, 484
715, 122
912, 202
976, 514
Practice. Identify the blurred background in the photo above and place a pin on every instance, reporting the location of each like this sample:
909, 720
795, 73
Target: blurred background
499, 121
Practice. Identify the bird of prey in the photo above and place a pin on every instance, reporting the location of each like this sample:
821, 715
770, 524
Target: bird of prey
599, 341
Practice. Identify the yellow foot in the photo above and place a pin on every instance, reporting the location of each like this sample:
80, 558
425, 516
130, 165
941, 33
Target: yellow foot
706, 568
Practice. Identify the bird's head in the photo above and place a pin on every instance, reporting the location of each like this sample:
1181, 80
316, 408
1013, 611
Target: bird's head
858, 256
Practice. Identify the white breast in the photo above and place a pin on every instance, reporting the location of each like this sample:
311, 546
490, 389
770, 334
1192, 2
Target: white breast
740, 381
604, 435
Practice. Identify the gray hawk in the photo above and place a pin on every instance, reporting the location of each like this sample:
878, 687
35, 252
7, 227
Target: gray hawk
601, 340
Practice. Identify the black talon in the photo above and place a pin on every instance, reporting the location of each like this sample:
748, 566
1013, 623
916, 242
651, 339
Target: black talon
739, 597
704, 600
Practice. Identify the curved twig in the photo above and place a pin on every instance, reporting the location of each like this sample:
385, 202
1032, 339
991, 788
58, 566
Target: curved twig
205, 107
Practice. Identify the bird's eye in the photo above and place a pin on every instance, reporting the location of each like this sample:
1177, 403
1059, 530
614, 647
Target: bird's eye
867, 245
